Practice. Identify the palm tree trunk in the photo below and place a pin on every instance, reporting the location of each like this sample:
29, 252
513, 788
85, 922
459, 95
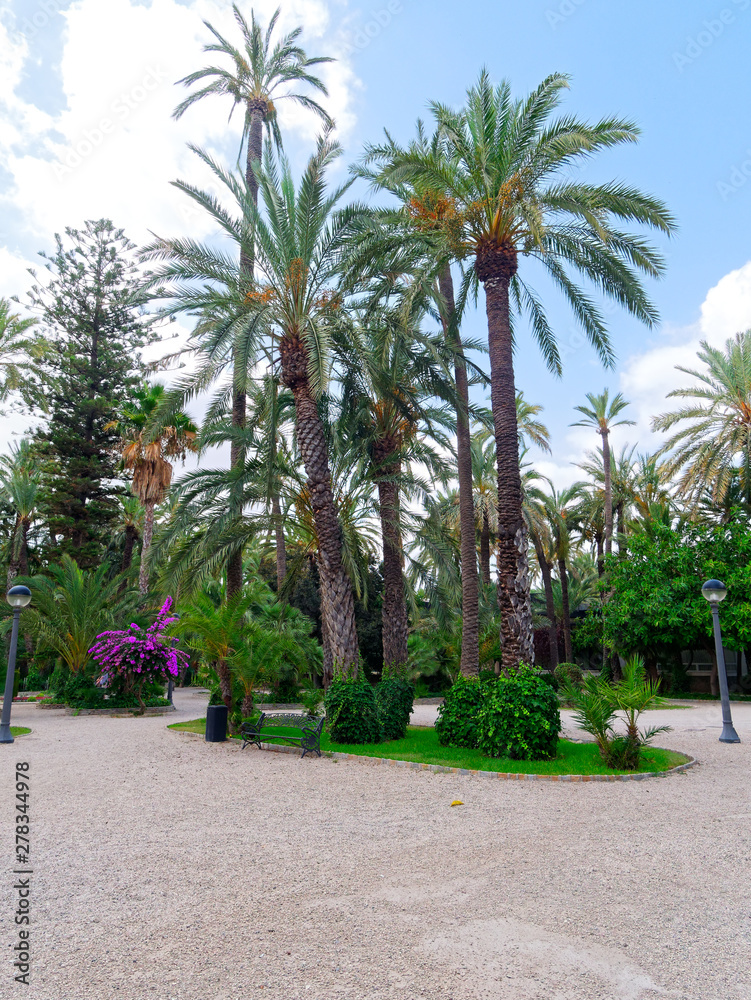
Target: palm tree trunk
562, 572
547, 584
281, 548
239, 397
485, 549
600, 554
513, 557
248, 704
225, 683
337, 601
470, 657
131, 537
394, 611
608, 492
621, 530
148, 533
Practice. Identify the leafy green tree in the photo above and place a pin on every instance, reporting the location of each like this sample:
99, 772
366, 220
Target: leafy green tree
657, 609
509, 199
91, 315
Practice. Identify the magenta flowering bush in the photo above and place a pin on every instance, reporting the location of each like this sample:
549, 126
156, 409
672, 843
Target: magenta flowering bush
132, 657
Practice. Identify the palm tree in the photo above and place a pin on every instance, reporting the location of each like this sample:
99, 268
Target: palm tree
71, 608
414, 229
129, 528
601, 414
560, 510
389, 377
147, 454
14, 347
20, 487
298, 248
714, 443
508, 199
253, 81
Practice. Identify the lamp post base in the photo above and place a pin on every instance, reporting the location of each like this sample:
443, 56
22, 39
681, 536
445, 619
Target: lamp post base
729, 735
6, 736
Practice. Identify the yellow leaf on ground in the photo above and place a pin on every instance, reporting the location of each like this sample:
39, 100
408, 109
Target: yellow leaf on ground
457, 802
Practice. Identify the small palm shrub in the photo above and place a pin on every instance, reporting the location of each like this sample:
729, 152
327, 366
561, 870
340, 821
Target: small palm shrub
519, 718
394, 697
352, 712
597, 706
456, 724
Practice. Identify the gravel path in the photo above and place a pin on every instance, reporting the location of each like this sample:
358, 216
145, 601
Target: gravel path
170, 868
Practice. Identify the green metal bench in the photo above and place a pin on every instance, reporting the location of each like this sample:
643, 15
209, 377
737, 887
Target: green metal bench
260, 731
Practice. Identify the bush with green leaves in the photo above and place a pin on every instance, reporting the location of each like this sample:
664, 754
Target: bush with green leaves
352, 712
394, 697
568, 672
456, 724
597, 706
519, 718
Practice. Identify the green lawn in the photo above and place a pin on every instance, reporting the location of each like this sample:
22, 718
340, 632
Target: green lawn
19, 730
421, 745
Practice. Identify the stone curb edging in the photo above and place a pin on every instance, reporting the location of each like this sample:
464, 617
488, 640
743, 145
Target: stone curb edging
413, 765
124, 713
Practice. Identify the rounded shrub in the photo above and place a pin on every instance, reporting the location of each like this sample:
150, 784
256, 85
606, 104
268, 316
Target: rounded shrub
568, 672
352, 712
394, 697
456, 724
519, 718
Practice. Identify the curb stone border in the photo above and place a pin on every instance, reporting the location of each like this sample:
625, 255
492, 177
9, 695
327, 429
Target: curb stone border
413, 765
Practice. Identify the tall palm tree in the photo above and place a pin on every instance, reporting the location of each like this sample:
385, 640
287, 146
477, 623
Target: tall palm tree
414, 228
509, 199
714, 443
147, 454
253, 81
298, 244
601, 414
388, 380
560, 509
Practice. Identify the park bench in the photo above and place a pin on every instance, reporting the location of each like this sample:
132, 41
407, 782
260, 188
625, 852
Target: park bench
263, 729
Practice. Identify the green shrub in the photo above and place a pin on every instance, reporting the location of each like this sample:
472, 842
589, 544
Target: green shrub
394, 697
519, 718
597, 703
312, 701
568, 673
550, 679
352, 712
456, 724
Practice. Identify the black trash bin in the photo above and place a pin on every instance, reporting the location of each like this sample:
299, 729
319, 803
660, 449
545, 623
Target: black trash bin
216, 723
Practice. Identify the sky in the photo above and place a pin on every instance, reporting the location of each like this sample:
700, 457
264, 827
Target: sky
87, 89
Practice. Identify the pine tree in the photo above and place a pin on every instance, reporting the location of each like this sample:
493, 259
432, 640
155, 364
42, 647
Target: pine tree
91, 312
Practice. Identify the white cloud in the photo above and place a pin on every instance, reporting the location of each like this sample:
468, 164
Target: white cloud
114, 148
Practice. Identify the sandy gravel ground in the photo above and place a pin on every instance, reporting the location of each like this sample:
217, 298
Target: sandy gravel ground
169, 868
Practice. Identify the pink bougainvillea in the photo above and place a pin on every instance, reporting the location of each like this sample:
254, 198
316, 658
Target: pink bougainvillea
134, 655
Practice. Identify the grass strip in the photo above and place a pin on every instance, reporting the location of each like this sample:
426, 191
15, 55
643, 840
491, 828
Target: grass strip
421, 745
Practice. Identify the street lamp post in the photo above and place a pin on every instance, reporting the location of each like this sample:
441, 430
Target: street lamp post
716, 591
18, 597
